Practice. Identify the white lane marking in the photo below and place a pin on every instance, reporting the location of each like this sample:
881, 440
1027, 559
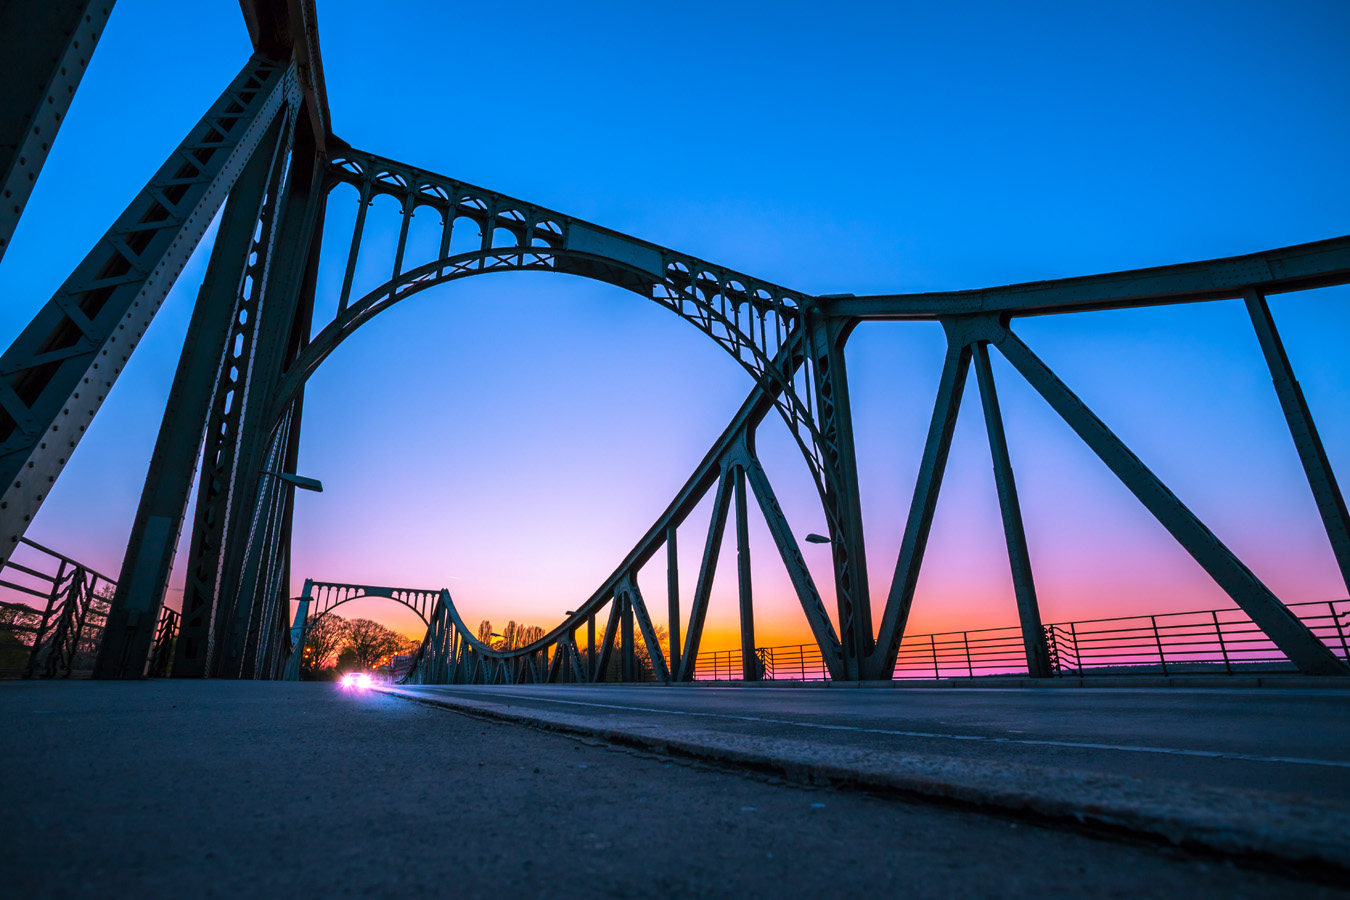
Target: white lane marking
1174, 751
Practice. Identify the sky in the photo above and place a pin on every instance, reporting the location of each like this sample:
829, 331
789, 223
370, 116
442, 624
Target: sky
509, 438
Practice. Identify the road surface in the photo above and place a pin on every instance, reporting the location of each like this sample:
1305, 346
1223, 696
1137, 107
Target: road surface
1287, 741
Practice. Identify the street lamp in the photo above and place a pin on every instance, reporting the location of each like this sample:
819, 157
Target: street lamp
300, 481
817, 539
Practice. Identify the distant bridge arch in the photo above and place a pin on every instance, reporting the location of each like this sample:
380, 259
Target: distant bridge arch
321, 598
324, 597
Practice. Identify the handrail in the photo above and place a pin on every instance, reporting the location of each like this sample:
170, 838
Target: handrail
59, 633
1215, 641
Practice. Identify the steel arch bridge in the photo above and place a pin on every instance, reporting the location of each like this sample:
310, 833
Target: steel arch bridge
265, 150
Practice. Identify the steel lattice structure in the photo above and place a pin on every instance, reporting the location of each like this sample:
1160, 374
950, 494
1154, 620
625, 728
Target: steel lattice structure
265, 149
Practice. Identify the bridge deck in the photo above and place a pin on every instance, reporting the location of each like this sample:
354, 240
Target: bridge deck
1291, 741
240, 788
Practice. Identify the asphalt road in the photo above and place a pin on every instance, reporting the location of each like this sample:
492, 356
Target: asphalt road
1294, 742
260, 789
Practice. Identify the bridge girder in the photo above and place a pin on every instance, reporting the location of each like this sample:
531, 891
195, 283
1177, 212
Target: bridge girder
239, 387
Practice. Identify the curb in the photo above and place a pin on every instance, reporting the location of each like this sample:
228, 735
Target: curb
989, 682
1255, 825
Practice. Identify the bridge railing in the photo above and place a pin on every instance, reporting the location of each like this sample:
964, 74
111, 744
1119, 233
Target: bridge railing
1213, 641
798, 662
53, 610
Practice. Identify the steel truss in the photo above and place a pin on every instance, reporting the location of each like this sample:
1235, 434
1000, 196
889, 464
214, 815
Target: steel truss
239, 389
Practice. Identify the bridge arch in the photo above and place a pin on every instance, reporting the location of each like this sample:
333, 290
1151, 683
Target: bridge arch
321, 598
791, 350
324, 597
763, 326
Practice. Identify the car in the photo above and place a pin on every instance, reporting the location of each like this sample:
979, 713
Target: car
355, 680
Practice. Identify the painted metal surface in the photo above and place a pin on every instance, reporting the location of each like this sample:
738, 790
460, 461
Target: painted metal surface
56, 374
46, 47
268, 145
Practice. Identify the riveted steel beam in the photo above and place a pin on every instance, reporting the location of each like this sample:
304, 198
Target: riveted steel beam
230, 507
752, 319
791, 554
627, 646
1296, 268
946, 407
744, 592
644, 622
673, 597
841, 497
698, 609
58, 371
154, 536
607, 642
1019, 557
1321, 478
289, 29
1286, 630
268, 546
46, 47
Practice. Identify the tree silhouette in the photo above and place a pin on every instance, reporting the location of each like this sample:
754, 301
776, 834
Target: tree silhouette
513, 636
645, 670
369, 642
323, 638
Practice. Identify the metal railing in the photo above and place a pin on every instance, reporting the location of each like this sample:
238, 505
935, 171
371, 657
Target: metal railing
798, 662
53, 611
1212, 641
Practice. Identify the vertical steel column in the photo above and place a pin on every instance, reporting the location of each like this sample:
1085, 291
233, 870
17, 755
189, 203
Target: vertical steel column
627, 656
154, 536
827, 337
590, 647
299, 631
228, 412
408, 213
698, 609
673, 598
1019, 558
283, 328
230, 503
565, 674
249, 622
266, 560
357, 231
1321, 478
749, 661
906, 578
46, 47
607, 642
1285, 629
791, 554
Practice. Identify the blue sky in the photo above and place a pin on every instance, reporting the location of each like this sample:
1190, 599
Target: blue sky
510, 437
